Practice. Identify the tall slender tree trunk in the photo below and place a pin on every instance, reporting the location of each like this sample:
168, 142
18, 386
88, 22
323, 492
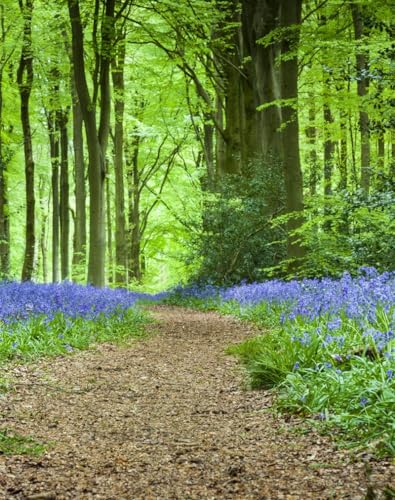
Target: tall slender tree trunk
25, 83
311, 133
79, 251
111, 267
54, 154
392, 162
134, 211
4, 208
380, 160
362, 88
118, 65
97, 137
290, 17
43, 232
343, 154
329, 150
64, 195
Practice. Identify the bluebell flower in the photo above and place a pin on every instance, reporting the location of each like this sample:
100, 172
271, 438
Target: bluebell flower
390, 374
363, 401
296, 366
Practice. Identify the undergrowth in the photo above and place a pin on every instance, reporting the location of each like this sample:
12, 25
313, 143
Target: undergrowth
12, 443
40, 336
327, 348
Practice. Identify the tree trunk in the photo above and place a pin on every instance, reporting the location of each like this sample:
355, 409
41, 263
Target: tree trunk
97, 138
54, 154
118, 65
290, 17
79, 253
311, 133
25, 82
111, 270
43, 232
262, 85
4, 208
392, 162
343, 156
64, 195
329, 150
134, 211
362, 88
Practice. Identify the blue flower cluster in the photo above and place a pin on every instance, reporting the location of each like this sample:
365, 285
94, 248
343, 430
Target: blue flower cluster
20, 301
357, 297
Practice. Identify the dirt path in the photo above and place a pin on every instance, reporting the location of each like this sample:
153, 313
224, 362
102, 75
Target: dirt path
166, 419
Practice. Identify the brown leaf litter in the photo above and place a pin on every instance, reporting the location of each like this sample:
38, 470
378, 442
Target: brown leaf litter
168, 418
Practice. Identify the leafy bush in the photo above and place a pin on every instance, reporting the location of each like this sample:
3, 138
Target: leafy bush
237, 240
345, 231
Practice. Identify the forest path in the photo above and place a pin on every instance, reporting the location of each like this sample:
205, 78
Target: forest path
166, 418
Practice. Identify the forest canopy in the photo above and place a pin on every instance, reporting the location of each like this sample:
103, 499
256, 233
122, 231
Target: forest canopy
148, 143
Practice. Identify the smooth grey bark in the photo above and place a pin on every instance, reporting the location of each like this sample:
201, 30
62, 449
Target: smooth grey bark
25, 82
118, 80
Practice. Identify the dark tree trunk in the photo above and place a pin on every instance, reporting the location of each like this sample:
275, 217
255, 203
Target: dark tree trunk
79, 253
64, 195
54, 154
25, 82
362, 88
4, 208
118, 65
290, 17
97, 137
111, 270
261, 81
232, 96
134, 210
329, 150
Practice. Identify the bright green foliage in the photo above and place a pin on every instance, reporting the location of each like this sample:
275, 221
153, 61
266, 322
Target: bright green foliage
342, 382
12, 443
42, 337
347, 231
237, 240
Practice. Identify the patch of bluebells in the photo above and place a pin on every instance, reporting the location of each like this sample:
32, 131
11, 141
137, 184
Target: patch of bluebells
21, 301
357, 297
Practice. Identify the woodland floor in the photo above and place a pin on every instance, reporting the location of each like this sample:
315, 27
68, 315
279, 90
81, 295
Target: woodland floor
167, 418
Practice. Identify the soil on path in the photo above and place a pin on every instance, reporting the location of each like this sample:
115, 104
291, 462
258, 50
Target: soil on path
167, 418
